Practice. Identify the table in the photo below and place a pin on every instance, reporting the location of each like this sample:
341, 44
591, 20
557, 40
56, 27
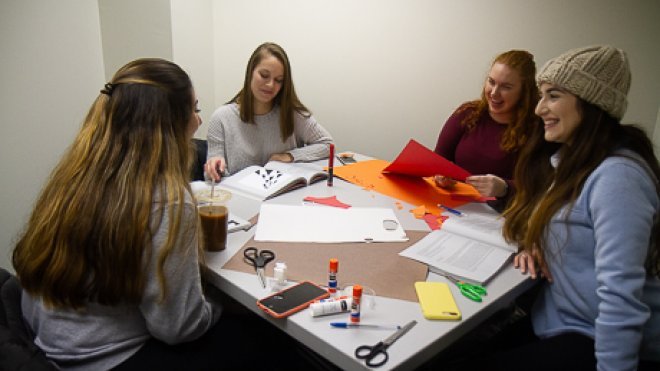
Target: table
419, 345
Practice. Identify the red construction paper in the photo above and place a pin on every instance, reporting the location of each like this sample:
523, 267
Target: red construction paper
329, 201
417, 160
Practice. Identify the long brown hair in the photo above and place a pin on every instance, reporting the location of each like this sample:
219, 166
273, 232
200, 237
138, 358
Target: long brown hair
286, 98
90, 232
515, 134
543, 190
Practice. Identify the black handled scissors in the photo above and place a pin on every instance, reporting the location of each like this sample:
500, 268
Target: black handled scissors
259, 259
376, 355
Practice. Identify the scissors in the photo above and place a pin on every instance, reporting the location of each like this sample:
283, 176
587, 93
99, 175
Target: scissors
259, 259
376, 355
470, 291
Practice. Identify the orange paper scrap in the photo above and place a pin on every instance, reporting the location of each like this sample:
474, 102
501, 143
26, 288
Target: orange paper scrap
419, 211
432, 221
413, 190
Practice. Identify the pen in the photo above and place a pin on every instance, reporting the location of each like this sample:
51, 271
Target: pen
453, 211
358, 325
331, 163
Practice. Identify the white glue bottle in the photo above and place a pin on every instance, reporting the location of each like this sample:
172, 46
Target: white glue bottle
326, 307
279, 273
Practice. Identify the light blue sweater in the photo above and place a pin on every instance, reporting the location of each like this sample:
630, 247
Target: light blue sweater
596, 252
243, 144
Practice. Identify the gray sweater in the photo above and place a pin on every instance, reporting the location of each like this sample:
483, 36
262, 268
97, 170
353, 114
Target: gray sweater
242, 144
101, 337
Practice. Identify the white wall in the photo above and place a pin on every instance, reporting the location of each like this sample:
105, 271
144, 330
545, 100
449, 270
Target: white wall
376, 73
51, 68
134, 29
192, 47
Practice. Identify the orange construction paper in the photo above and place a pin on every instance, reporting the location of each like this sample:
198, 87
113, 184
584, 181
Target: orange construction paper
419, 211
413, 190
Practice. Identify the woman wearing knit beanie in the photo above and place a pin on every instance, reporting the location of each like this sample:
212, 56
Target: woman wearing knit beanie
585, 216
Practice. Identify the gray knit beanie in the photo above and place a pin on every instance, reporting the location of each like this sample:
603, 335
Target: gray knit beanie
598, 74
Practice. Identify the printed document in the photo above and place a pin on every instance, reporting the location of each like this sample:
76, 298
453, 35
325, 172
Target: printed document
470, 248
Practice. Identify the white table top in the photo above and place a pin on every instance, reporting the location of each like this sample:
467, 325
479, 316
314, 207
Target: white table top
420, 344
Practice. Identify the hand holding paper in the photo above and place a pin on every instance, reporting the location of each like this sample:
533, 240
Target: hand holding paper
417, 160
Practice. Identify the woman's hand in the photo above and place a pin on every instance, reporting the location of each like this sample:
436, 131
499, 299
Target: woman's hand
281, 157
488, 185
444, 181
214, 168
528, 262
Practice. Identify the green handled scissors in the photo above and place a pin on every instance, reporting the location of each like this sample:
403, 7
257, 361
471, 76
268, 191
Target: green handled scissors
470, 291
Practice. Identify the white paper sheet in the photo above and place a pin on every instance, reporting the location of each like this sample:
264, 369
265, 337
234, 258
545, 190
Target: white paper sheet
325, 224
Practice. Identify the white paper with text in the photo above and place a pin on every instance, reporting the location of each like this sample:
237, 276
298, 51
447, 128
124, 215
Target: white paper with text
470, 248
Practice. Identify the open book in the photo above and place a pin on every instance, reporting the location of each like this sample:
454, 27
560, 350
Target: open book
470, 248
274, 179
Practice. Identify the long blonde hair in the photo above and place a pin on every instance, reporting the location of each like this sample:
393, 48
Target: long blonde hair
91, 229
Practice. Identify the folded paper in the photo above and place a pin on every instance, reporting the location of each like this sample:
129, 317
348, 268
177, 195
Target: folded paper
417, 160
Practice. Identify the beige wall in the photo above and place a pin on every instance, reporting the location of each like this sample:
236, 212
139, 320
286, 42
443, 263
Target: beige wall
51, 68
134, 29
374, 72
193, 45
379, 72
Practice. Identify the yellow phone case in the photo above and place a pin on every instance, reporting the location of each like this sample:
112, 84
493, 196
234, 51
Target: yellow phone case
437, 301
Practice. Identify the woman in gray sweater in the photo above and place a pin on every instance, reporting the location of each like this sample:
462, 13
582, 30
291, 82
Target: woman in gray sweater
110, 259
265, 121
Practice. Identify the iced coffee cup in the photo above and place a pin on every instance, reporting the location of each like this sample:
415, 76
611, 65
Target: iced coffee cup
214, 217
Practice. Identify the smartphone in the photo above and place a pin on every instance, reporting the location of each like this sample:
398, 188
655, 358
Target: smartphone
292, 299
345, 160
437, 301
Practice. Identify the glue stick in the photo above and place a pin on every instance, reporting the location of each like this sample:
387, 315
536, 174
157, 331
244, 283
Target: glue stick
355, 305
332, 277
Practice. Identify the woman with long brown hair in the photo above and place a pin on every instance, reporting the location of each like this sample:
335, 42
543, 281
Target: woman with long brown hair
265, 121
585, 216
110, 258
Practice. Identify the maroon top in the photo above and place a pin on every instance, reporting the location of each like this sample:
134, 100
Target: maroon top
477, 151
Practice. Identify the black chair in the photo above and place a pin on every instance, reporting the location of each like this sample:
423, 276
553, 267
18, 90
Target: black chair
201, 149
17, 348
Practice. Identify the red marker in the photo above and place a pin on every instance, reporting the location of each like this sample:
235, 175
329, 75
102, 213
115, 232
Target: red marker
331, 163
